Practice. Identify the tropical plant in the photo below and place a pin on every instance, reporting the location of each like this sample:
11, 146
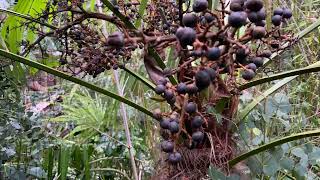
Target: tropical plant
216, 51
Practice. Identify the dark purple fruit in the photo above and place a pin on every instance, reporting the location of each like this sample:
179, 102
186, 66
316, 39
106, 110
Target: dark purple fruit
287, 13
252, 66
237, 19
200, 5
167, 146
276, 20
174, 158
261, 14
260, 23
197, 136
265, 53
248, 74
162, 81
116, 40
160, 89
181, 88
202, 79
190, 20
174, 127
191, 107
196, 53
278, 11
254, 5
213, 53
209, 18
258, 61
192, 89
253, 17
165, 123
212, 73
236, 6
241, 55
168, 94
186, 36
259, 32
196, 122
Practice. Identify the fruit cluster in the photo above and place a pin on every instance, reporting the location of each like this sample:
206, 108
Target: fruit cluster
215, 48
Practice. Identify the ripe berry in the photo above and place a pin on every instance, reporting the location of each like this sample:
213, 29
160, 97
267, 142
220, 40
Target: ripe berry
162, 81
202, 79
191, 107
276, 20
265, 53
213, 53
200, 5
165, 123
167, 146
236, 6
253, 16
182, 88
258, 61
209, 18
287, 13
260, 23
168, 94
174, 127
192, 89
212, 73
160, 89
197, 136
116, 40
241, 55
252, 66
254, 5
196, 122
237, 19
259, 32
261, 14
190, 20
278, 11
186, 36
248, 74
174, 158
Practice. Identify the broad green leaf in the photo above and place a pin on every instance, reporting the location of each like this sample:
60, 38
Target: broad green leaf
272, 145
215, 174
271, 90
287, 163
305, 70
142, 8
